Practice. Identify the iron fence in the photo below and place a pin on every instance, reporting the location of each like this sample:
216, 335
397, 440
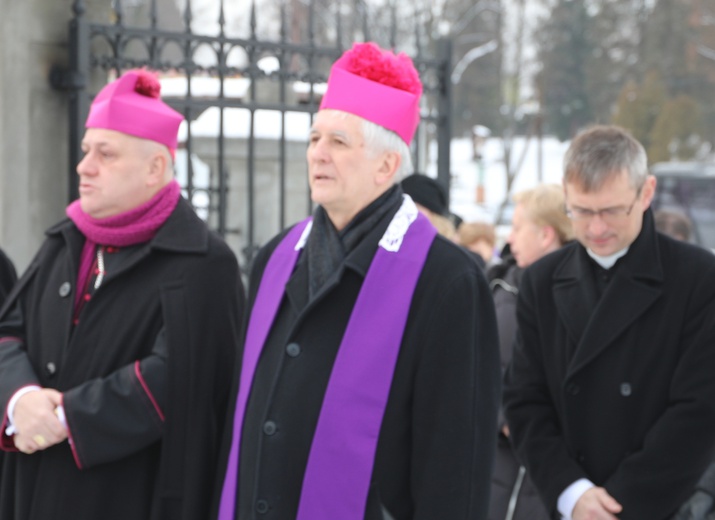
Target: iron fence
247, 99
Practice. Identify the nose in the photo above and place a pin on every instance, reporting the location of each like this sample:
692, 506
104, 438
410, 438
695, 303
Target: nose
317, 151
86, 165
596, 225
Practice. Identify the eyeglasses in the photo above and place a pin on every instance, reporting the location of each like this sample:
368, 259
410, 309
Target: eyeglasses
612, 215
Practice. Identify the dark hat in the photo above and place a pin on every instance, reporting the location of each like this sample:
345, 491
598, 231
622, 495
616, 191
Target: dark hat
426, 192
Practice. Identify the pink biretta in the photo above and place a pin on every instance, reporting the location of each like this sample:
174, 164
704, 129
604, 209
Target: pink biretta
131, 105
389, 81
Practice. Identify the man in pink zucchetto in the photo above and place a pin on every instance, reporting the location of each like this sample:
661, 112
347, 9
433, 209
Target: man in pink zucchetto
116, 344
369, 379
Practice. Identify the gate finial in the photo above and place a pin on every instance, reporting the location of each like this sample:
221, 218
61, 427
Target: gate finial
78, 8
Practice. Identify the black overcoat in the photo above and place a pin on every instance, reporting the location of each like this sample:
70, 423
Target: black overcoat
8, 276
436, 444
186, 282
619, 390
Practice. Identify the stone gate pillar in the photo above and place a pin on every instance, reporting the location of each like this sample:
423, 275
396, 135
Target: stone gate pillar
33, 120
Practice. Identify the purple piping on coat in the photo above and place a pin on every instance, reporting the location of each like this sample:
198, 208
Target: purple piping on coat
138, 373
70, 439
6, 442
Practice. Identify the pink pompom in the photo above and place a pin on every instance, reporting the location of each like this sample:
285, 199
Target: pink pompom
369, 61
147, 84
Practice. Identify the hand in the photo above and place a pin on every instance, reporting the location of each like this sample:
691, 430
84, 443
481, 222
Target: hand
596, 504
35, 420
696, 507
505, 430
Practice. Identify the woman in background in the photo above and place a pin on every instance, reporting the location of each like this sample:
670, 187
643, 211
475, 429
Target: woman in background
539, 226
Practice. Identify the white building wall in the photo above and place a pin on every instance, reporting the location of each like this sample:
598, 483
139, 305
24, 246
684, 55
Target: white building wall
33, 121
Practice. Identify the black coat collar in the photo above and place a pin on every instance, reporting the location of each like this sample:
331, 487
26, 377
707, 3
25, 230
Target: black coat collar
358, 260
183, 231
594, 324
642, 260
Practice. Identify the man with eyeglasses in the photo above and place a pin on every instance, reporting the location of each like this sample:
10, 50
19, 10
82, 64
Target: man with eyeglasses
610, 396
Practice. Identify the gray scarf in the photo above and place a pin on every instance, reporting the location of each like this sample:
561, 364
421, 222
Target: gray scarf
327, 247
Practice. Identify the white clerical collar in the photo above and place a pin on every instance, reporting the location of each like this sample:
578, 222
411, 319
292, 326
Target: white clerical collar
607, 261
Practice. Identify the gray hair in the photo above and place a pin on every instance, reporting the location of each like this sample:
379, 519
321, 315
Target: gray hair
379, 139
150, 147
600, 153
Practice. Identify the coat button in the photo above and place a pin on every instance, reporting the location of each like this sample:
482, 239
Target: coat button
626, 389
51, 368
65, 289
573, 389
261, 506
293, 349
269, 428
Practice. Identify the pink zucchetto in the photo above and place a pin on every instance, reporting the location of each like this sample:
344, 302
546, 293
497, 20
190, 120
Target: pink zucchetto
377, 85
131, 105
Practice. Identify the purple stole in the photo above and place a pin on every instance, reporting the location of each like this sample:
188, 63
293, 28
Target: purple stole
339, 470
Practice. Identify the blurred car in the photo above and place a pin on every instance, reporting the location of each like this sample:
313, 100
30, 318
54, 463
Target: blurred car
688, 188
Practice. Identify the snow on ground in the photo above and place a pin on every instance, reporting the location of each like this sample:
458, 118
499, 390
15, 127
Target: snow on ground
465, 173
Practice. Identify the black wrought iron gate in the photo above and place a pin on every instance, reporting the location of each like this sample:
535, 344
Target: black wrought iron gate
247, 95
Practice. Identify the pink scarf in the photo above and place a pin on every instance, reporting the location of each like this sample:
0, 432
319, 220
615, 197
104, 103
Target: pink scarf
129, 228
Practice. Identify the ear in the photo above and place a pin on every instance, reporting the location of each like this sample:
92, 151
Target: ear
389, 165
648, 190
157, 168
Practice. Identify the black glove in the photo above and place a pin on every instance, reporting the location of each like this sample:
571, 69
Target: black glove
696, 507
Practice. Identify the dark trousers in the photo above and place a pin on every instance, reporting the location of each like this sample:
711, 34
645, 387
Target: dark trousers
508, 485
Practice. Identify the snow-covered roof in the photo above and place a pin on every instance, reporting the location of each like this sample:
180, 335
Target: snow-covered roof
201, 86
236, 124
302, 87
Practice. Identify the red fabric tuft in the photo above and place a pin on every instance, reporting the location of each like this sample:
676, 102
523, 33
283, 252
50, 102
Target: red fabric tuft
147, 84
369, 61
